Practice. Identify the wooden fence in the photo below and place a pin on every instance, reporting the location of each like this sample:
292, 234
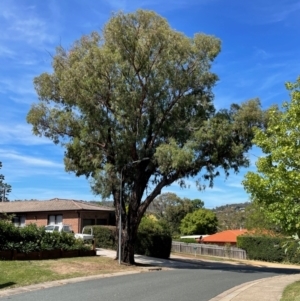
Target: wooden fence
211, 250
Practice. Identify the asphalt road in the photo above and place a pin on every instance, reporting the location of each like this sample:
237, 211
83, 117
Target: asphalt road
197, 282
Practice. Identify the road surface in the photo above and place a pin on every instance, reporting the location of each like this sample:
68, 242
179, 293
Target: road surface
199, 282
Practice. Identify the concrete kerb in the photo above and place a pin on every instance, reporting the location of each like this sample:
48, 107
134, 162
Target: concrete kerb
34, 287
270, 289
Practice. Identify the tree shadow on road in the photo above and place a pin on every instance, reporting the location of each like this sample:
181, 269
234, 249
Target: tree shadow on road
234, 266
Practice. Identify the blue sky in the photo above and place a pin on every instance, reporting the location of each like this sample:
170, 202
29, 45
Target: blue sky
260, 52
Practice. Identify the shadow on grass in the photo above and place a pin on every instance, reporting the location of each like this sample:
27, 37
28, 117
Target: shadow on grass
7, 284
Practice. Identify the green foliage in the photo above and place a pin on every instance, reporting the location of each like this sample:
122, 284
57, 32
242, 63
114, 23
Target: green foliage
153, 239
5, 189
276, 184
187, 240
114, 98
171, 209
105, 236
201, 221
33, 238
270, 248
256, 218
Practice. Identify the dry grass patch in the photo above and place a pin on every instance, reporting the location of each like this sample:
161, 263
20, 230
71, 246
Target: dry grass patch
87, 266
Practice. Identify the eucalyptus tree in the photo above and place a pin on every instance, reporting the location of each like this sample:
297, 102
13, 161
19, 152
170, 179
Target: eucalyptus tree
140, 91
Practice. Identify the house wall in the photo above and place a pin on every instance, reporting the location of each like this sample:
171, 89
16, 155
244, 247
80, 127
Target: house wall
94, 217
73, 218
41, 218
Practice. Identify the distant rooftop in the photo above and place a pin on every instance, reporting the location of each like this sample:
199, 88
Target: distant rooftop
228, 236
50, 205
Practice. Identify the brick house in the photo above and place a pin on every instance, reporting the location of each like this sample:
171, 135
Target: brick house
77, 214
224, 237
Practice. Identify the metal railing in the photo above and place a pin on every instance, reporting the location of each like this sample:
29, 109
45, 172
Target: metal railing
210, 250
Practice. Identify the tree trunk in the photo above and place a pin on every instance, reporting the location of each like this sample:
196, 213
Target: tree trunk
129, 237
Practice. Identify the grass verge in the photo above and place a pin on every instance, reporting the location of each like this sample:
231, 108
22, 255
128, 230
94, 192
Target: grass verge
291, 292
21, 273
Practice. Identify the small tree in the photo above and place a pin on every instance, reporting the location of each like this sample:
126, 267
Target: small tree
202, 221
276, 184
5, 189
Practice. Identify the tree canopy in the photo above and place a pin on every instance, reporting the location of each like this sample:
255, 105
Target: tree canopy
276, 184
201, 221
5, 188
134, 105
171, 209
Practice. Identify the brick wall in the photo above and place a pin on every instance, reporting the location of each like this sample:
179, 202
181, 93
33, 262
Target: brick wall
72, 218
41, 218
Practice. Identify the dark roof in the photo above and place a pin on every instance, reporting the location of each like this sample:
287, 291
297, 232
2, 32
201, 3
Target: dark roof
50, 205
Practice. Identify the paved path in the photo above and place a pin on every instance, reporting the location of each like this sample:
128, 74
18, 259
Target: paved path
203, 280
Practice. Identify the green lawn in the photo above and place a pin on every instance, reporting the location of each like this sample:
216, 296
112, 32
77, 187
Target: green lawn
292, 292
21, 273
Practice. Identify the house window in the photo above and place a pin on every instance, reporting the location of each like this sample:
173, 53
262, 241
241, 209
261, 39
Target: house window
55, 219
19, 220
88, 222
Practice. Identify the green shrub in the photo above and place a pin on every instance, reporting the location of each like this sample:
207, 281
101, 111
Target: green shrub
105, 236
153, 239
187, 240
265, 248
32, 238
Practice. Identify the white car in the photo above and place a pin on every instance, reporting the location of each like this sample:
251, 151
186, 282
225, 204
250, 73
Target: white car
59, 228
85, 236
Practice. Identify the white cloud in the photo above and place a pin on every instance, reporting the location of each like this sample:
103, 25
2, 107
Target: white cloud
15, 85
6, 52
20, 134
29, 160
23, 24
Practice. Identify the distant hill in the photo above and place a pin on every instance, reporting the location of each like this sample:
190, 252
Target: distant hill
231, 216
106, 203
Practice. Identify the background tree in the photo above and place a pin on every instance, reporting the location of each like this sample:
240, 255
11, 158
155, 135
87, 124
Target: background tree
171, 209
201, 221
5, 189
276, 184
257, 219
114, 98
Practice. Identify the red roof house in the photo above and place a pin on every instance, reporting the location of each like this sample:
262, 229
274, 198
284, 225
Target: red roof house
224, 237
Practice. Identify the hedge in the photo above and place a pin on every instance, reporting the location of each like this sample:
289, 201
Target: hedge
104, 236
152, 239
268, 248
32, 238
